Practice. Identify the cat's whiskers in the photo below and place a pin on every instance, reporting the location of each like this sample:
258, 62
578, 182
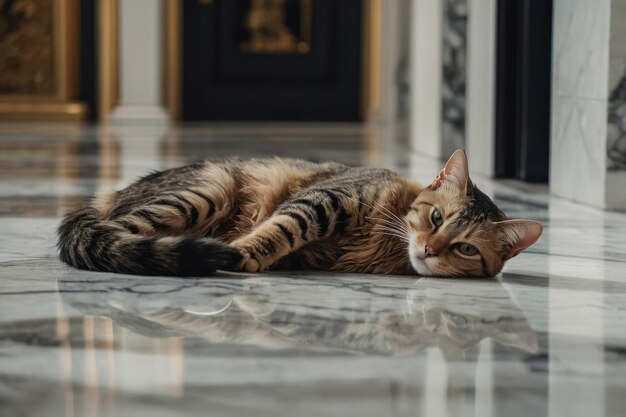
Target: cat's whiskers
402, 238
391, 231
388, 216
401, 226
392, 223
388, 213
389, 226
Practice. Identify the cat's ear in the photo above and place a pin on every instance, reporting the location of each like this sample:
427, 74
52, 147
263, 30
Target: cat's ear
456, 172
519, 234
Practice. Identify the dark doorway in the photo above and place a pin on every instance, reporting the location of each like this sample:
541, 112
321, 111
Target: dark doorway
272, 60
523, 89
88, 58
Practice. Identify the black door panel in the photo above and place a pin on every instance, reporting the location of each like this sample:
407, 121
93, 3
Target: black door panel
312, 72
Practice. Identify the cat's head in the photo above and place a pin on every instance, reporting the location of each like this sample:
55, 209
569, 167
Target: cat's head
456, 230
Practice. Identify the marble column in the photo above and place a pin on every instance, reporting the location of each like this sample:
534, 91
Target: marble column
426, 48
141, 61
589, 102
481, 86
453, 74
454, 68
391, 113
616, 135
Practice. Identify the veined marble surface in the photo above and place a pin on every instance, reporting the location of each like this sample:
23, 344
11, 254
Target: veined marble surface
580, 77
616, 129
545, 338
588, 153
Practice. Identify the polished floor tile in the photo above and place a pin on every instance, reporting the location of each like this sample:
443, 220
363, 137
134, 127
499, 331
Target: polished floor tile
545, 338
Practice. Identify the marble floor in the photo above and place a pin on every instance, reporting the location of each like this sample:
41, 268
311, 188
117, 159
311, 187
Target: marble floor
545, 338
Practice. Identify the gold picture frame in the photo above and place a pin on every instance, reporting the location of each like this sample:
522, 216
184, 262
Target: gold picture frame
43, 88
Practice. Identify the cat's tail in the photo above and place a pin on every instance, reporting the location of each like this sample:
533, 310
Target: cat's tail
87, 241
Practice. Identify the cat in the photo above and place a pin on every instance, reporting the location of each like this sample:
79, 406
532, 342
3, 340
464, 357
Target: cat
279, 214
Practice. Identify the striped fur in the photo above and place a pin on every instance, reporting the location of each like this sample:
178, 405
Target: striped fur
279, 213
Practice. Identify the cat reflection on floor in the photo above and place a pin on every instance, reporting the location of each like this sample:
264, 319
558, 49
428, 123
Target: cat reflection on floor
251, 312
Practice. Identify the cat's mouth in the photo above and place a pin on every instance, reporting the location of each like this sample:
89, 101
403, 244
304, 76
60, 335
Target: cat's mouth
420, 266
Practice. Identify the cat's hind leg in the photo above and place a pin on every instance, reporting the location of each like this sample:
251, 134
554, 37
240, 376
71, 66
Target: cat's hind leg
156, 226
188, 212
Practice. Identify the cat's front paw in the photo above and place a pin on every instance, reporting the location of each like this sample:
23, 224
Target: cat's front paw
248, 262
251, 265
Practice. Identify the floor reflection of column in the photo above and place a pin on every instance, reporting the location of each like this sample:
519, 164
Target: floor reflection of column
177, 366
462, 380
109, 153
385, 145
67, 170
436, 384
91, 386
109, 346
144, 364
371, 155
576, 331
170, 149
139, 151
484, 406
65, 362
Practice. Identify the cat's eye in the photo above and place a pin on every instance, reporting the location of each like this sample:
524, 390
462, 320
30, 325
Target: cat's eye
466, 249
436, 218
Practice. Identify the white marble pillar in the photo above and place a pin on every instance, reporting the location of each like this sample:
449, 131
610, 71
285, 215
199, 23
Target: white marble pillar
453, 55
589, 102
391, 115
426, 74
140, 61
481, 82
616, 139
454, 78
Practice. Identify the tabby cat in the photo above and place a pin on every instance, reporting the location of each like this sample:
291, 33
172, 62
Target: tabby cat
262, 214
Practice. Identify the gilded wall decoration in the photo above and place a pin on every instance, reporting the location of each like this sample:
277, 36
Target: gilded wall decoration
27, 47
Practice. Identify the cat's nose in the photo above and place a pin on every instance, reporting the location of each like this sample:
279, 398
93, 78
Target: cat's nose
436, 246
429, 251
